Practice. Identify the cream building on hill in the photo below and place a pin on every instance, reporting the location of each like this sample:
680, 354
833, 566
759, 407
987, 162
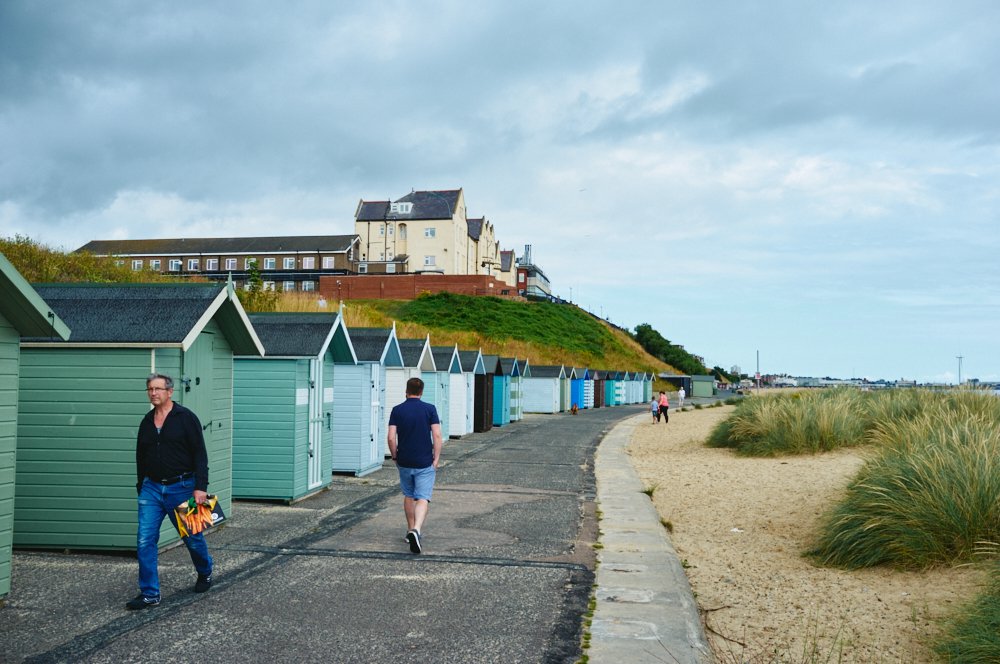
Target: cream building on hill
426, 231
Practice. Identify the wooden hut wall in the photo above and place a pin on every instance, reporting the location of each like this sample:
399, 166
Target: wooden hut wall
437, 390
501, 399
461, 404
541, 395
516, 398
75, 475
10, 340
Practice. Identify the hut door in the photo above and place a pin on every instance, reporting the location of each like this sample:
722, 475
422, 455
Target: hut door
195, 384
315, 463
377, 394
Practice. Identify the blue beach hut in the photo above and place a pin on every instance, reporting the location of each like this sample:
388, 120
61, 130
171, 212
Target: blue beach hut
359, 401
501, 390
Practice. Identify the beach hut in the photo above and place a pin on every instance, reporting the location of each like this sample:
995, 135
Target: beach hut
437, 384
463, 392
283, 406
512, 369
22, 313
648, 387
543, 389
456, 417
611, 384
564, 389
359, 401
482, 415
702, 386
582, 388
417, 358
598, 386
501, 390
81, 402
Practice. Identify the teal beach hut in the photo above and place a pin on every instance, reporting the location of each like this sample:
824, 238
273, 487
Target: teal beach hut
501, 390
81, 402
283, 406
22, 313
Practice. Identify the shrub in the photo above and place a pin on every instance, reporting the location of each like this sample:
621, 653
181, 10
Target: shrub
974, 636
931, 496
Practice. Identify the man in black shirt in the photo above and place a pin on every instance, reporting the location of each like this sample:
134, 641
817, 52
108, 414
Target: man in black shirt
171, 467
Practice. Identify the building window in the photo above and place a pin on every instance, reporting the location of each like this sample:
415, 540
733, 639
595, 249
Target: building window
247, 262
390, 229
288, 286
390, 268
212, 264
308, 285
288, 263
381, 231
192, 265
268, 285
269, 263
309, 263
328, 262
230, 263
430, 232
175, 265
154, 265
401, 208
520, 277
428, 260
362, 268
137, 265
402, 231
119, 263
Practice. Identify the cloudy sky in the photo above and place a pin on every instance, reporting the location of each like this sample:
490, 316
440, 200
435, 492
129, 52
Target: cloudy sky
814, 181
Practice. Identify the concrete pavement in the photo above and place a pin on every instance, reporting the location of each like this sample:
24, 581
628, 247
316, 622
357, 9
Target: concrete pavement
507, 573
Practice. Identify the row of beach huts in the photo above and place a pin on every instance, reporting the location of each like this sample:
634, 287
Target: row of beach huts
286, 400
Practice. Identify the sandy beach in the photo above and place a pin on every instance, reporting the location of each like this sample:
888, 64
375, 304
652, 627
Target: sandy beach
740, 527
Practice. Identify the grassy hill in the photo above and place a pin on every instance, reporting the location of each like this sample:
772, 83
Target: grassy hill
543, 332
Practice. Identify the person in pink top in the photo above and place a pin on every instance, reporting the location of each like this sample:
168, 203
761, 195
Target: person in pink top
664, 405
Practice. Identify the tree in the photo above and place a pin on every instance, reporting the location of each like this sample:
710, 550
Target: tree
656, 345
256, 298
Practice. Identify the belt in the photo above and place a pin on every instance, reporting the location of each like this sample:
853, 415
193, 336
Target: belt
174, 480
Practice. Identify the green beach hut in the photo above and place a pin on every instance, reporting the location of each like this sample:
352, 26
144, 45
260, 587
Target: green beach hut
22, 313
81, 402
283, 406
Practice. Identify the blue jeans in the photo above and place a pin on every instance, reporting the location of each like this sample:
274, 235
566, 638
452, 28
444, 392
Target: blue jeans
155, 502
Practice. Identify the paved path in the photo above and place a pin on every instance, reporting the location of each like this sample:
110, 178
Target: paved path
506, 576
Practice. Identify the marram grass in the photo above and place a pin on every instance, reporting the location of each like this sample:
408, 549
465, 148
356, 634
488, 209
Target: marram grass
973, 635
930, 496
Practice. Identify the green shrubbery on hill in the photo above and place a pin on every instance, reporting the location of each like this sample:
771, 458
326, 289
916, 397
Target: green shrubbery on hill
40, 264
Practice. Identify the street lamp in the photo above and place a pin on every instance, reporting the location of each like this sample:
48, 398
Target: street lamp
959, 358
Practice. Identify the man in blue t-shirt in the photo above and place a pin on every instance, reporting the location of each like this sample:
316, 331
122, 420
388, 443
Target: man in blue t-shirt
415, 445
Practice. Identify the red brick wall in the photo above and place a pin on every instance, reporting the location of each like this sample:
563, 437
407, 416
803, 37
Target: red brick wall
409, 286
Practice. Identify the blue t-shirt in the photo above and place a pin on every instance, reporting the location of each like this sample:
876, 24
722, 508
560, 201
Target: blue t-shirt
414, 444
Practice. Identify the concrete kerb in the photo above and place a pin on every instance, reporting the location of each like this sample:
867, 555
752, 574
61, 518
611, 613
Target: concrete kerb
645, 608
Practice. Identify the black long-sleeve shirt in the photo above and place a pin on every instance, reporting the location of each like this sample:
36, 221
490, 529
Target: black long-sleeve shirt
178, 448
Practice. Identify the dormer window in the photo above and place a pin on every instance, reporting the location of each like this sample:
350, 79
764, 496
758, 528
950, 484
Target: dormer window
401, 208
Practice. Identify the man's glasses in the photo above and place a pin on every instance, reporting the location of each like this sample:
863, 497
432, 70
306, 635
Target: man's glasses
157, 389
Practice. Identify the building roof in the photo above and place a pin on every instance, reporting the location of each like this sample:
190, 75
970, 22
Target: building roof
506, 260
492, 364
171, 314
24, 308
376, 344
475, 227
472, 361
412, 351
510, 366
221, 245
426, 205
301, 334
547, 371
444, 357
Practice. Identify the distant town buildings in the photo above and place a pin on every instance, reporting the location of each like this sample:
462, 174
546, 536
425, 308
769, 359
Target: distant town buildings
421, 233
